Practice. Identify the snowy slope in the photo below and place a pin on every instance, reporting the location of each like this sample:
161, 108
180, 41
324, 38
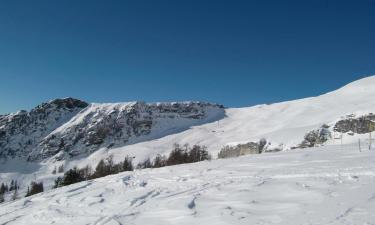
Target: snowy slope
329, 185
283, 124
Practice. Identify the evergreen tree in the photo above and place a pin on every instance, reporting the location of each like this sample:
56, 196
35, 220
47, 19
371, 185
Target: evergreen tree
58, 182
11, 185
3, 188
86, 172
159, 161
61, 169
35, 188
100, 170
145, 164
2, 198
177, 156
127, 164
54, 170
72, 176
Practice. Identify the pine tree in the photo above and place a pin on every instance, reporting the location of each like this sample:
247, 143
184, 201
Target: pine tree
72, 176
127, 165
86, 172
11, 185
54, 170
100, 170
159, 161
177, 155
2, 198
35, 188
2, 188
145, 164
61, 169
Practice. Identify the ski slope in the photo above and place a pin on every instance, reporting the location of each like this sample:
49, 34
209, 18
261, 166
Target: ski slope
327, 185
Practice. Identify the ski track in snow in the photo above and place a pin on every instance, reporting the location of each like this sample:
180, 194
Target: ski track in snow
314, 186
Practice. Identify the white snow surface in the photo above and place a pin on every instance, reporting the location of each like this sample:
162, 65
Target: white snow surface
326, 185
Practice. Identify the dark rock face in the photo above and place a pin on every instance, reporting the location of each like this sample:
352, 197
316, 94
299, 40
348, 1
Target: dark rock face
69, 127
361, 125
316, 137
69, 103
114, 125
21, 132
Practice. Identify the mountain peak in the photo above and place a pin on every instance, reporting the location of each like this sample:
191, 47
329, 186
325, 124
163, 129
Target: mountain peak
68, 102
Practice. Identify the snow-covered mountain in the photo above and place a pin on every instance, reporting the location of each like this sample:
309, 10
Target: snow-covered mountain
72, 133
64, 128
21, 132
121, 124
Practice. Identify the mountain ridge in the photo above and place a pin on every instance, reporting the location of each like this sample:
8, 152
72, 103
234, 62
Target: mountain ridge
95, 123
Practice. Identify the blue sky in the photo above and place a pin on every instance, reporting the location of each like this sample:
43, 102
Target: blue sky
238, 53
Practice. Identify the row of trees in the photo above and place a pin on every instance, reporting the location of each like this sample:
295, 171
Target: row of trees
60, 169
12, 187
4, 187
33, 189
105, 167
179, 155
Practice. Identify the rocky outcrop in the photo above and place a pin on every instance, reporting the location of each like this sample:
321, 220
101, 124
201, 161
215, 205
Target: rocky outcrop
243, 149
21, 132
361, 125
119, 124
316, 137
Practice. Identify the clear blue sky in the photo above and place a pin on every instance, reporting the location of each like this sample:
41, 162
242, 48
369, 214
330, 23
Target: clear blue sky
238, 53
